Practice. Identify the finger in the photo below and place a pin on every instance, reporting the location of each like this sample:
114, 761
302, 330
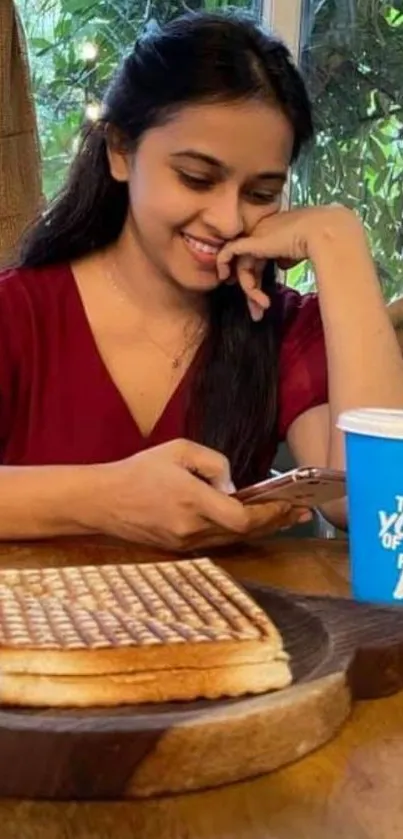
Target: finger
208, 464
251, 246
271, 528
304, 516
262, 518
212, 537
219, 509
250, 283
268, 514
256, 307
249, 272
267, 520
294, 517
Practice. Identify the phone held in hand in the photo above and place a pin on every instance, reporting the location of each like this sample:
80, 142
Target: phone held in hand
303, 487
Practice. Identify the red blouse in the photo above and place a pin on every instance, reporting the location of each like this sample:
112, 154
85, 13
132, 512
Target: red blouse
58, 403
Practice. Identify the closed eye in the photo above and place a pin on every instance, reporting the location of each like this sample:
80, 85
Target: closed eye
195, 181
198, 182
262, 197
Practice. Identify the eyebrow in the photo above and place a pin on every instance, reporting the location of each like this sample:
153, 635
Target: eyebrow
213, 161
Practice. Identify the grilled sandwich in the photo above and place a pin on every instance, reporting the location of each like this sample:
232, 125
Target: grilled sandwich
123, 634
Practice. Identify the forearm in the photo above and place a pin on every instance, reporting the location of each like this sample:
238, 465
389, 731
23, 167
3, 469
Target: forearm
364, 361
40, 502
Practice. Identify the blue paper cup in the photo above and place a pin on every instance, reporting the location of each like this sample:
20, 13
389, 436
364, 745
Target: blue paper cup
374, 465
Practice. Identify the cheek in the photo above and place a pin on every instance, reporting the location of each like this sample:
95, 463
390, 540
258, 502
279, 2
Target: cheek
147, 209
254, 215
142, 195
158, 205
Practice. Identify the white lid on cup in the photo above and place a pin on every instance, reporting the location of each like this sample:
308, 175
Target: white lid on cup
375, 422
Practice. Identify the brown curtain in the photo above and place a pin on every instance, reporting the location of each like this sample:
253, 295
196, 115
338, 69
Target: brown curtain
20, 170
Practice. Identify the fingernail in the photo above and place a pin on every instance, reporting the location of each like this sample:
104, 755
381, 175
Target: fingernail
226, 486
256, 313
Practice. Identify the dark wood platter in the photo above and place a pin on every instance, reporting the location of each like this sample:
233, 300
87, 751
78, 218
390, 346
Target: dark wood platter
340, 651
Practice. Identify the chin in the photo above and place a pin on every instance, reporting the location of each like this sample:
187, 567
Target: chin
202, 281
209, 284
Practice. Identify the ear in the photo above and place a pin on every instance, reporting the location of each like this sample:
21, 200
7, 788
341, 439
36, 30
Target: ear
118, 164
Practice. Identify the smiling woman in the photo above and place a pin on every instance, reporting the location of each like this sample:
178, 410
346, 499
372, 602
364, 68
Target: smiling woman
157, 360
204, 173
179, 193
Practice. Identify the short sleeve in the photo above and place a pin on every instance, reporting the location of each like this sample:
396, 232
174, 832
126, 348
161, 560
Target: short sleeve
303, 380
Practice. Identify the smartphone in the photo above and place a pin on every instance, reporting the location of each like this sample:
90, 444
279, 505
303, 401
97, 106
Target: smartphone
304, 487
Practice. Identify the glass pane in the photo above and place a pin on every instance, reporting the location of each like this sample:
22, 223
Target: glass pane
352, 58
74, 47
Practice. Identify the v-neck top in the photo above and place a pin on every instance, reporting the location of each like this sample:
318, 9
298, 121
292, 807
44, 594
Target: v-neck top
58, 402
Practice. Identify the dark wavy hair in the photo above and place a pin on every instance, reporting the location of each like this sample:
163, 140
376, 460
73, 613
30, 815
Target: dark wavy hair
197, 58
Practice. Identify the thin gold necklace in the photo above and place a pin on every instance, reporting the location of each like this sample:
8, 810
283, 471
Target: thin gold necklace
175, 360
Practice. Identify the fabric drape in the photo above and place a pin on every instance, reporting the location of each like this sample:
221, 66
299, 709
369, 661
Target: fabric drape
20, 168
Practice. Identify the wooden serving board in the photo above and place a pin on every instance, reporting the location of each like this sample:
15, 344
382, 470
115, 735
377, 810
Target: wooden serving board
340, 651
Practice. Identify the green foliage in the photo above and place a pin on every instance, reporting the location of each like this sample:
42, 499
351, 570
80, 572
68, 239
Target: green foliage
352, 56
352, 59
66, 82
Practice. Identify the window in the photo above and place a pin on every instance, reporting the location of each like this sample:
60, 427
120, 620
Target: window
351, 53
74, 47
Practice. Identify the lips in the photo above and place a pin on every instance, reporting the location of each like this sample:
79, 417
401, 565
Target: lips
204, 251
202, 245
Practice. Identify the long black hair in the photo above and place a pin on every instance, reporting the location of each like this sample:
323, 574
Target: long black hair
196, 58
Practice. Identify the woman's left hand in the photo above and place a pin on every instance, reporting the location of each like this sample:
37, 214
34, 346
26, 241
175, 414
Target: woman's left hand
287, 237
264, 520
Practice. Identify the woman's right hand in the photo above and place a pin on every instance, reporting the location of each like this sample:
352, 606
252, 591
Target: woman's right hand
174, 496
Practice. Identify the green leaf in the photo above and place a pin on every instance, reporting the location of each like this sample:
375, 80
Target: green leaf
40, 44
380, 180
63, 28
397, 205
75, 6
377, 152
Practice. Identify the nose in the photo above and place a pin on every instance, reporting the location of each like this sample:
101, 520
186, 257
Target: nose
223, 215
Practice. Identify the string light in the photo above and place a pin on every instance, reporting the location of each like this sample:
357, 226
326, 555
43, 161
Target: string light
93, 111
89, 51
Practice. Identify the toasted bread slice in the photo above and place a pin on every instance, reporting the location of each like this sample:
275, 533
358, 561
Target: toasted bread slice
113, 634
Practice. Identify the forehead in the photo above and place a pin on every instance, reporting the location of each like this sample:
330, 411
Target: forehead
248, 136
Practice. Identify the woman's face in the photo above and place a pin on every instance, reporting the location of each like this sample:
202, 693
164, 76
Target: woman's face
207, 176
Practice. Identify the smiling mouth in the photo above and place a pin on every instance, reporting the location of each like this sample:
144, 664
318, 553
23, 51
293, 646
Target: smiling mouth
201, 246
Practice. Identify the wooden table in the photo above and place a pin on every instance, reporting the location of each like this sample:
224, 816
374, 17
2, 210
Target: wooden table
351, 788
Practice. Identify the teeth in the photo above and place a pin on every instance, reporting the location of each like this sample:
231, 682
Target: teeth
201, 246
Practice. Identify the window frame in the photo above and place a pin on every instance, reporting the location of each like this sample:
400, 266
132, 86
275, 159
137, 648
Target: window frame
284, 18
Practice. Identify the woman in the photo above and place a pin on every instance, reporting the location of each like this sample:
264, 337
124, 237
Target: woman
149, 358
